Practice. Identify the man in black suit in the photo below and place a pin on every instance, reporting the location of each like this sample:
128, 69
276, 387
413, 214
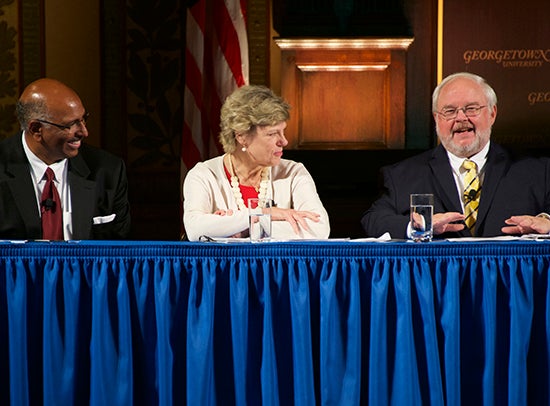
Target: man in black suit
513, 194
92, 184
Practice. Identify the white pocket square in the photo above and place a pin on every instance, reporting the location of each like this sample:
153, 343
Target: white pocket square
104, 219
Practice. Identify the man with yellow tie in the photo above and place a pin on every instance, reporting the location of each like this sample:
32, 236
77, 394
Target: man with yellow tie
479, 188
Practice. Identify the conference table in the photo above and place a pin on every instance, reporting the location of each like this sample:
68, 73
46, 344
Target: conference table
334, 322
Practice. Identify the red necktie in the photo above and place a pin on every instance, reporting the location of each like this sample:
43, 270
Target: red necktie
50, 207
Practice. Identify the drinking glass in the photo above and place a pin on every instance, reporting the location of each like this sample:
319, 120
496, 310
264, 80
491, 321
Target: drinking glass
422, 211
259, 216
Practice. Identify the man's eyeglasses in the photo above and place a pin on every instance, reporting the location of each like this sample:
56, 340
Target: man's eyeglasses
81, 121
469, 111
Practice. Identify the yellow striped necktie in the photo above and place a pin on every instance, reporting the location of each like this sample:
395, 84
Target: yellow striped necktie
472, 191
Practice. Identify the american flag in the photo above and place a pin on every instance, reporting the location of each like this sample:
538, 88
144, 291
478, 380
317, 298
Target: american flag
216, 63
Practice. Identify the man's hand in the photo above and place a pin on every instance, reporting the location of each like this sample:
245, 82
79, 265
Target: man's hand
526, 225
445, 222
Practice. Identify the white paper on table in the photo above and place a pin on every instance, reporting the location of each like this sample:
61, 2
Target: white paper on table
538, 237
383, 238
498, 238
227, 239
247, 239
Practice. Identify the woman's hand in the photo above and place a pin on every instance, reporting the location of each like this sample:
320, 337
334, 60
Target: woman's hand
224, 212
229, 212
297, 219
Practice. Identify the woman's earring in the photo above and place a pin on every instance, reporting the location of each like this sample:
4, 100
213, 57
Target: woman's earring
243, 149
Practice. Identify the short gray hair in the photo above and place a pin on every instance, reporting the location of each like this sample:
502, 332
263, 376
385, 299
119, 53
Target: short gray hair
487, 89
27, 111
248, 107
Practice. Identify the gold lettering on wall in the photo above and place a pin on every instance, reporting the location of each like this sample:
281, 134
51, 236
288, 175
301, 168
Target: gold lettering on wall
509, 58
538, 97
515, 60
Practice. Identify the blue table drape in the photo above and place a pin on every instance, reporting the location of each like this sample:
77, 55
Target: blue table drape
296, 323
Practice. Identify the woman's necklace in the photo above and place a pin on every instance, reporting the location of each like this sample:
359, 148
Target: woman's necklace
262, 190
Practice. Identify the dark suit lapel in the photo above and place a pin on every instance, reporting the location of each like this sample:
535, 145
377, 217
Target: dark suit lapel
24, 194
444, 180
82, 198
497, 165
22, 187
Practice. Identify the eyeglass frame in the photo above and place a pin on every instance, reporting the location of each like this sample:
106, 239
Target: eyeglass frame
474, 112
70, 125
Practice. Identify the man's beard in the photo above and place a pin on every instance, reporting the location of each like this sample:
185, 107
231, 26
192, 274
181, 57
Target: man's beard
466, 151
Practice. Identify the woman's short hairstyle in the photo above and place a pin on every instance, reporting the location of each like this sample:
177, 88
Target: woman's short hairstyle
247, 108
490, 94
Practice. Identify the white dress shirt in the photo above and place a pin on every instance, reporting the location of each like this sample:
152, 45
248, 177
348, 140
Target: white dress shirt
459, 173
38, 169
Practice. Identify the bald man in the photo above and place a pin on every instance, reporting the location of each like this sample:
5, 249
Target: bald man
91, 183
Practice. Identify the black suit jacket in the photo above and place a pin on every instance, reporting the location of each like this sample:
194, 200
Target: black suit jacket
512, 186
98, 186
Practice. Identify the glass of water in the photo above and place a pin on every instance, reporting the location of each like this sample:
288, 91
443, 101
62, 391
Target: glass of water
259, 216
422, 211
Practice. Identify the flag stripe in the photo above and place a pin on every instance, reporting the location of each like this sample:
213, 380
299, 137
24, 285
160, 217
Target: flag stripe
216, 64
227, 38
191, 144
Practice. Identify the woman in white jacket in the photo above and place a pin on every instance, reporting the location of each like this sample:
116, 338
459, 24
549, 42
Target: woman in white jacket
253, 121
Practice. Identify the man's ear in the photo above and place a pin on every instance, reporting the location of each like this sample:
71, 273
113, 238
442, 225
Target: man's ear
35, 128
